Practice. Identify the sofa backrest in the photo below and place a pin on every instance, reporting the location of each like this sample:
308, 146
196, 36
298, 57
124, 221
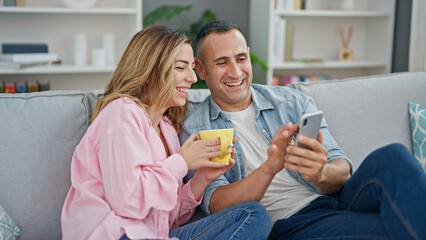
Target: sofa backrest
39, 132
363, 113
368, 112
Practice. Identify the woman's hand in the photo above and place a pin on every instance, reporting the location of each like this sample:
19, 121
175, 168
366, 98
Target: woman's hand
204, 176
209, 174
197, 152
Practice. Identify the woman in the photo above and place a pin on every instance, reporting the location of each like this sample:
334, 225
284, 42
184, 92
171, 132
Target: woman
127, 171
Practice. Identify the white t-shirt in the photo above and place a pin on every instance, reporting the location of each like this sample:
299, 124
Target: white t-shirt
285, 196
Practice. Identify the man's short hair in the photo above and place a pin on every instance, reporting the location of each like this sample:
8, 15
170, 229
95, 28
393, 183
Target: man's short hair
219, 26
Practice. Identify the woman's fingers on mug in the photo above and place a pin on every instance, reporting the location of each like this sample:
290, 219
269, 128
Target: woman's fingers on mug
217, 164
216, 152
216, 148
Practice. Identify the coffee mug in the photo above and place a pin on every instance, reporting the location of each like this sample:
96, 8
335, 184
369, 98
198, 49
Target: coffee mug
225, 136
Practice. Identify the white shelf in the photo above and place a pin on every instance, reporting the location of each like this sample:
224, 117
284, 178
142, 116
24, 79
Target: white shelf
328, 65
57, 69
331, 13
62, 10
315, 35
49, 22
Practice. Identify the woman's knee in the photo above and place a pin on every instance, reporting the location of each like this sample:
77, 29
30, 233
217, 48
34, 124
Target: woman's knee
258, 212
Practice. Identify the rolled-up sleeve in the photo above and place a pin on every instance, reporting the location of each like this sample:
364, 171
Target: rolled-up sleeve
218, 182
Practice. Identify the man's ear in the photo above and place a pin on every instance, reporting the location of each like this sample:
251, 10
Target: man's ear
201, 71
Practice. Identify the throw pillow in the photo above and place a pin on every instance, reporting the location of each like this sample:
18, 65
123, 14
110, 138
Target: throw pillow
8, 229
418, 130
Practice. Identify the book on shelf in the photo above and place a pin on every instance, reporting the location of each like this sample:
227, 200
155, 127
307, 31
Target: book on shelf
24, 87
32, 87
24, 60
309, 60
9, 88
278, 46
43, 86
289, 79
29, 57
297, 4
290, 5
9, 3
282, 42
20, 3
21, 87
18, 65
288, 52
25, 48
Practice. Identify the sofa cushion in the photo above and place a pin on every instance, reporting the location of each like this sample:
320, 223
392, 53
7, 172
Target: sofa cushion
196, 96
368, 112
8, 229
418, 134
42, 131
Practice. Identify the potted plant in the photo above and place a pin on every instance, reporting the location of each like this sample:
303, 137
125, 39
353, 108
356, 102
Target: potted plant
170, 11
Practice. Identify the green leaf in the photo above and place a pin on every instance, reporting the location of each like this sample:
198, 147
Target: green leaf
194, 28
199, 84
165, 12
255, 59
209, 16
169, 11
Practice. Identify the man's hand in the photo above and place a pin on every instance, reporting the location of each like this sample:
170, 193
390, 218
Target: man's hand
312, 165
309, 163
277, 150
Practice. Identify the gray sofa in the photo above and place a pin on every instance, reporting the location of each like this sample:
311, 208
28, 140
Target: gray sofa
39, 132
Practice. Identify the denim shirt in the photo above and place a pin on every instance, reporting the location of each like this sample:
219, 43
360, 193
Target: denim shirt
274, 106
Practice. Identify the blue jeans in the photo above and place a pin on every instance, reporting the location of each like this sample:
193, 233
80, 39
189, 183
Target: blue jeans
248, 220
384, 199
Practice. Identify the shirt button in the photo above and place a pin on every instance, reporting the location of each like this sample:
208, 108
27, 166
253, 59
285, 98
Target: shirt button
263, 130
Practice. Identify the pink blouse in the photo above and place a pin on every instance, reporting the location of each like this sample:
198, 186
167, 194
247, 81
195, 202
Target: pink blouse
122, 180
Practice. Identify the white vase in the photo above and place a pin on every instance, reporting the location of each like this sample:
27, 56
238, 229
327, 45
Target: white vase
80, 49
347, 5
98, 57
79, 3
108, 43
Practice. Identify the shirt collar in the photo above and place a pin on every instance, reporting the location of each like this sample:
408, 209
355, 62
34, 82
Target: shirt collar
259, 101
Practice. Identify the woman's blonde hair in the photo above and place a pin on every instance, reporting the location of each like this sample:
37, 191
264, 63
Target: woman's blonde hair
145, 72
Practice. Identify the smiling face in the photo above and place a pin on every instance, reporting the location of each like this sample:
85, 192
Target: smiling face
184, 76
225, 65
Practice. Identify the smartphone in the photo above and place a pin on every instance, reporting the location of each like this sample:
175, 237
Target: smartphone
309, 126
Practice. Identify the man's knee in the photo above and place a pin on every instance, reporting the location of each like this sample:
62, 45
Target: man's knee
395, 151
394, 156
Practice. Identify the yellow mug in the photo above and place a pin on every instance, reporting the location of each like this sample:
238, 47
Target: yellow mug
224, 135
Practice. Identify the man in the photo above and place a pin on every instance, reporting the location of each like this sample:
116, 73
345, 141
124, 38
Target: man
309, 193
